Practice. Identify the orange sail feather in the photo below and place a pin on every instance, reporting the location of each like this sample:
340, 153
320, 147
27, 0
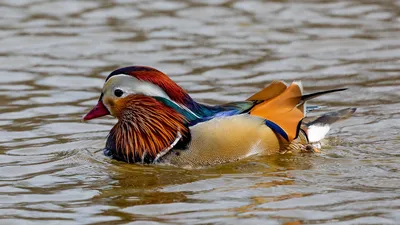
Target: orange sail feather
281, 107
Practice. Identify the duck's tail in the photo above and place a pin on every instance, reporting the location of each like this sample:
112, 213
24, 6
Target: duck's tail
317, 127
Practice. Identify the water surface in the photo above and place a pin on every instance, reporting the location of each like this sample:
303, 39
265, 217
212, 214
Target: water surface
55, 55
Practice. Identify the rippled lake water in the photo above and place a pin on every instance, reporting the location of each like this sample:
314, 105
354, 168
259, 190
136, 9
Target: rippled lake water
55, 55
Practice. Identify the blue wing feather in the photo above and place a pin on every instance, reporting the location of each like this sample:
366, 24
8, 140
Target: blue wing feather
205, 112
230, 109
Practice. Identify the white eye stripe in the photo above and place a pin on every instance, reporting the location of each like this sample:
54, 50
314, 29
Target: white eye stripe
130, 85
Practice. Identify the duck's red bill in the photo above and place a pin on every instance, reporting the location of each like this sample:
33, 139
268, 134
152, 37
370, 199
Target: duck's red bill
98, 111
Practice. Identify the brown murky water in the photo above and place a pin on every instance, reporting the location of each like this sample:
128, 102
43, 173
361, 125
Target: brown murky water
54, 56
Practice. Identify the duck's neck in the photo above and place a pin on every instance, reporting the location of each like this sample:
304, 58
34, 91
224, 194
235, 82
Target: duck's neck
146, 129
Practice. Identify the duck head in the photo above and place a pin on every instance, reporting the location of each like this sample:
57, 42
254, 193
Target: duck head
146, 127
137, 80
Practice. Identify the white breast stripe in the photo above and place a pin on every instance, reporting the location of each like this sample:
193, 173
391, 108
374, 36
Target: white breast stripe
166, 150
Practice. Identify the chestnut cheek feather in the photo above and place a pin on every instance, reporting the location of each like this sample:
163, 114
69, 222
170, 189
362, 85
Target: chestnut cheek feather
145, 128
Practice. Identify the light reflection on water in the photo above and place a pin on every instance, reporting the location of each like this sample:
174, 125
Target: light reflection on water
54, 56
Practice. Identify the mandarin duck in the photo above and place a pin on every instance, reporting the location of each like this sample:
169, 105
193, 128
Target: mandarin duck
158, 121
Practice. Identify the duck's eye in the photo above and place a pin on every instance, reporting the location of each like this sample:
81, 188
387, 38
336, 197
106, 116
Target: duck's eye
118, 92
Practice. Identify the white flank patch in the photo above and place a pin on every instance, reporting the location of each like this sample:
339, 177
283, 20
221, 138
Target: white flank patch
317, 133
